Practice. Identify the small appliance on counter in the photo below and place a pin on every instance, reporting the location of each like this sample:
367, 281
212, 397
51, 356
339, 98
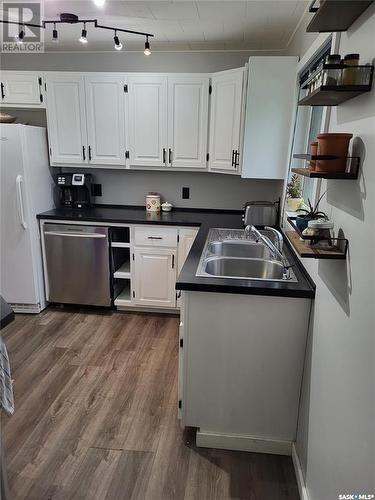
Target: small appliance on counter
261, 213
73, 190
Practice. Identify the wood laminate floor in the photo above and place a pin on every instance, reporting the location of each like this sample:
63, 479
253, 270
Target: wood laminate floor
96, 417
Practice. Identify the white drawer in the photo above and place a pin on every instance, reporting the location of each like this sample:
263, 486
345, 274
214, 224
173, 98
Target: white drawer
155, 236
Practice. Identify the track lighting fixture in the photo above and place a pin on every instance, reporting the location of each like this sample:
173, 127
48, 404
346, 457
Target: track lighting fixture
20, 36
147, 50
118, 44
66, 18
55, 34
83, 37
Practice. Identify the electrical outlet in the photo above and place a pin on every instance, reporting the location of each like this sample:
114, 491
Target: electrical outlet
185, 193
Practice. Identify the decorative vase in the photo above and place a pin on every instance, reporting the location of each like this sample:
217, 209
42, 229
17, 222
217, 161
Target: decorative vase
336, 145
293, 204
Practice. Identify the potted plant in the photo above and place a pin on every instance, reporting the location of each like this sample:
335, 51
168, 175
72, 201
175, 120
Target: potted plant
293, 193
311, 213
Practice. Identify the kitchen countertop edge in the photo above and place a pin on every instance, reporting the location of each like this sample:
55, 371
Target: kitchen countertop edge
205, 219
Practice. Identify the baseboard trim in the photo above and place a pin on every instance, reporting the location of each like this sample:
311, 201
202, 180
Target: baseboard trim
240, 442
299, 475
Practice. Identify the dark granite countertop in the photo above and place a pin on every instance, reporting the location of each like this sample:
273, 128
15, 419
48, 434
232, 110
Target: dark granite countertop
205, 219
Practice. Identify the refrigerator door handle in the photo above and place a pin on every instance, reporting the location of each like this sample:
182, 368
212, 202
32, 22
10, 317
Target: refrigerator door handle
20, 205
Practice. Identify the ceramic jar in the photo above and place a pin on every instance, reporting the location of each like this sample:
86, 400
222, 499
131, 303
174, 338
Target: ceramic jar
153, 202
335, 145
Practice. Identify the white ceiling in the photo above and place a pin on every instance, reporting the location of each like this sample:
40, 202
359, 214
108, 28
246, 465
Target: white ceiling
181, 25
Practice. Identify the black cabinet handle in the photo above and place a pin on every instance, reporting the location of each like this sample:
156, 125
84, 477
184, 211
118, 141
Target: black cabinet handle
233, 152
236, 159
83, 153
173, 261
89, 152
169, 155
154, 237
164, 158
2, 91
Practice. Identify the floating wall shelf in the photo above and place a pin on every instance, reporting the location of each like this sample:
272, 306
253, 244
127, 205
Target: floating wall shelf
337, 251
350, 174
332, 95
336, 15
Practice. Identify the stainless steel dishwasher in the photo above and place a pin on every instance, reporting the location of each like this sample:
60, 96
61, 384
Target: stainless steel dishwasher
77, 264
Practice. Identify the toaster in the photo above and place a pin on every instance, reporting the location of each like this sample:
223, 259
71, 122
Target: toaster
261, 213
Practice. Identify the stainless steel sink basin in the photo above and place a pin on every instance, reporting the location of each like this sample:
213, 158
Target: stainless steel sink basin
229, 267
228, 253
238, 248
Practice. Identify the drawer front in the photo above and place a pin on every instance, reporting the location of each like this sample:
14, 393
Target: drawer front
155, 236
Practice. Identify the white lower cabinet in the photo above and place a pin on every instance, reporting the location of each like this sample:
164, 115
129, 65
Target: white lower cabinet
241, 365
155, 277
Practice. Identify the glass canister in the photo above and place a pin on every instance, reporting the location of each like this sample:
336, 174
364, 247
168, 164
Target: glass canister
349, 76
332, 75
153, 202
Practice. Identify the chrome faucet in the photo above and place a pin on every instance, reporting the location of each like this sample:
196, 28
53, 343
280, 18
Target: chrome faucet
276, 249
279, 241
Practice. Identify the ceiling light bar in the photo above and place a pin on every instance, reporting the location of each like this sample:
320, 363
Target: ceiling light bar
118, 44
66, 18
147, 50
19, 38
55, 35
83, 37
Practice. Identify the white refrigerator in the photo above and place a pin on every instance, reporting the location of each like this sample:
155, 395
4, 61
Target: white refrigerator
26, 189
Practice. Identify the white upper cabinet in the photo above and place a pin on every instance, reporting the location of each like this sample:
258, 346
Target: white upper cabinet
105, 119
66, 118
187, 121
226, 120
271, 101
22, 88
147, 121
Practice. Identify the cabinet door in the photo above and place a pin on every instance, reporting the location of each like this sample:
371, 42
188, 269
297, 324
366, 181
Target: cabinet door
225, 120
66, 118
187, 121
21, 87
147, 123
105, 119
186, 240
270, 109
155, 277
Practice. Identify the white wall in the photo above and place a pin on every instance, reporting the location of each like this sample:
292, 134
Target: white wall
130, 187
195, 62
336, 433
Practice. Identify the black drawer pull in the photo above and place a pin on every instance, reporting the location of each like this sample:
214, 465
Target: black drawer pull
155, 238
170, 155
89, 152
164, 156
2, 91
83, 153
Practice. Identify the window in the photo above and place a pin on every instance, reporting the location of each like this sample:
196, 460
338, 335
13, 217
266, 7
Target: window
307, 125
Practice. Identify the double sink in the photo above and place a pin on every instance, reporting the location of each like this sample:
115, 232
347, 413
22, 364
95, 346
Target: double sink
228, 253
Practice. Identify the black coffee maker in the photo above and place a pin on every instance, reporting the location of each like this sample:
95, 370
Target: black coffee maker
73, 190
